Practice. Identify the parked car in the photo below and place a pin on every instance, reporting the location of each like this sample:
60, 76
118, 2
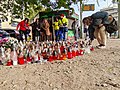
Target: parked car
12, 33
4, 34
14, 24
11, 29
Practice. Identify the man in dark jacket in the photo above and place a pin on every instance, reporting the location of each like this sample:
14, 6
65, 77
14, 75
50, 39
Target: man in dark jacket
99, 20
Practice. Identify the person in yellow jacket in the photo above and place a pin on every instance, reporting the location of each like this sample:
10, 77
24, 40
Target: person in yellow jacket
63, 23
56, 28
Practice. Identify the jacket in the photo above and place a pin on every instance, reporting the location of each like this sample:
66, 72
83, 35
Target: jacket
63, 22
56, 26
22, 26
100, 15
35, 26
46, 28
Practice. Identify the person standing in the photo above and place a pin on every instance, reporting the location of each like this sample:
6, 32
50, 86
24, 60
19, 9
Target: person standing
75, 26
46, 27
23, 28
56, 28
36, 30
63, 22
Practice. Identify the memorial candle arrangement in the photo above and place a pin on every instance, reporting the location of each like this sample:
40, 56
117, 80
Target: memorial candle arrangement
40, 52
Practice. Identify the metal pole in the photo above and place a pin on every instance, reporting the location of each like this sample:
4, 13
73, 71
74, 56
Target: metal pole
81, 31
119, 19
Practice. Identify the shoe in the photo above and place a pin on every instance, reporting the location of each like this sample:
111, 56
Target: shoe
99, 46
102, 47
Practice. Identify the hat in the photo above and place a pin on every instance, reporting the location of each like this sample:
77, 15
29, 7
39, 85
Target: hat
62, 15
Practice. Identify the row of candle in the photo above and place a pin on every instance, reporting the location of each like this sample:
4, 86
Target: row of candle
38, 52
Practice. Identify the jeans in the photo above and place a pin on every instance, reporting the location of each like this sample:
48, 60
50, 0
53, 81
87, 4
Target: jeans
61, 33
57, 35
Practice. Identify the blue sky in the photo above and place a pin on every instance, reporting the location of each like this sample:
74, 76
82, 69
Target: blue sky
102, 4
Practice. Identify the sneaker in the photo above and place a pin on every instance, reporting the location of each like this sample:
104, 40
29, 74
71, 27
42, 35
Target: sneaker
102, 47
99, 45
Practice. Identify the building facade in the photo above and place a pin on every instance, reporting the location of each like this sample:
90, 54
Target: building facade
113, 10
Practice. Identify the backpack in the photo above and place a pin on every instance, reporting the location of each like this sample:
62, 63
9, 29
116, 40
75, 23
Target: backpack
112, 27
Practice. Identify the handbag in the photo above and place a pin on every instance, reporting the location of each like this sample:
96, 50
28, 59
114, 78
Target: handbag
112, 27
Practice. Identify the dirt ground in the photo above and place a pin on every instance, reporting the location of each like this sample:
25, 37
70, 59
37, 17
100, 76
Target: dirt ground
99, 70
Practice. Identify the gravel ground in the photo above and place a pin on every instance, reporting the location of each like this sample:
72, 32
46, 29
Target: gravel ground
99, 70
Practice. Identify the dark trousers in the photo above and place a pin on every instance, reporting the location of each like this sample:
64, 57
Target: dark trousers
91, 32
21, 35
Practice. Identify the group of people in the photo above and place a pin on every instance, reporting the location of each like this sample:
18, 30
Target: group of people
42, 30
95, 27
60, 26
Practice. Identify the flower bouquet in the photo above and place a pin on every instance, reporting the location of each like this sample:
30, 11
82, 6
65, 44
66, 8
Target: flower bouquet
6, 47
8, 42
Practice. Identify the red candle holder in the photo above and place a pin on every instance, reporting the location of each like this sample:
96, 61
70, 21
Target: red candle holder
61, 57
9, 63
54, 57
50, 59
77, 53
81, 52
70, 56
58, 56
64, 57
73, 53
38, 57
21, 60
92, 48
62, 49
29, 59
43, 54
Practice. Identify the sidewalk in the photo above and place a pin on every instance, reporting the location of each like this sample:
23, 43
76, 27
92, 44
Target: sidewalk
99, 70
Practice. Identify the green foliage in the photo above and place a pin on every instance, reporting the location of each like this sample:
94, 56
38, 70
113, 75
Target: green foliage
1, 9
29, 7
45, 2
32, 7
115, 1
17, 7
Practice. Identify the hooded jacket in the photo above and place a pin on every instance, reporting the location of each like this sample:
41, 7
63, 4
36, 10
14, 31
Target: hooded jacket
100, 17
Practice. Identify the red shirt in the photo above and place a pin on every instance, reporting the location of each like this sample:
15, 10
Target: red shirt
22, 26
